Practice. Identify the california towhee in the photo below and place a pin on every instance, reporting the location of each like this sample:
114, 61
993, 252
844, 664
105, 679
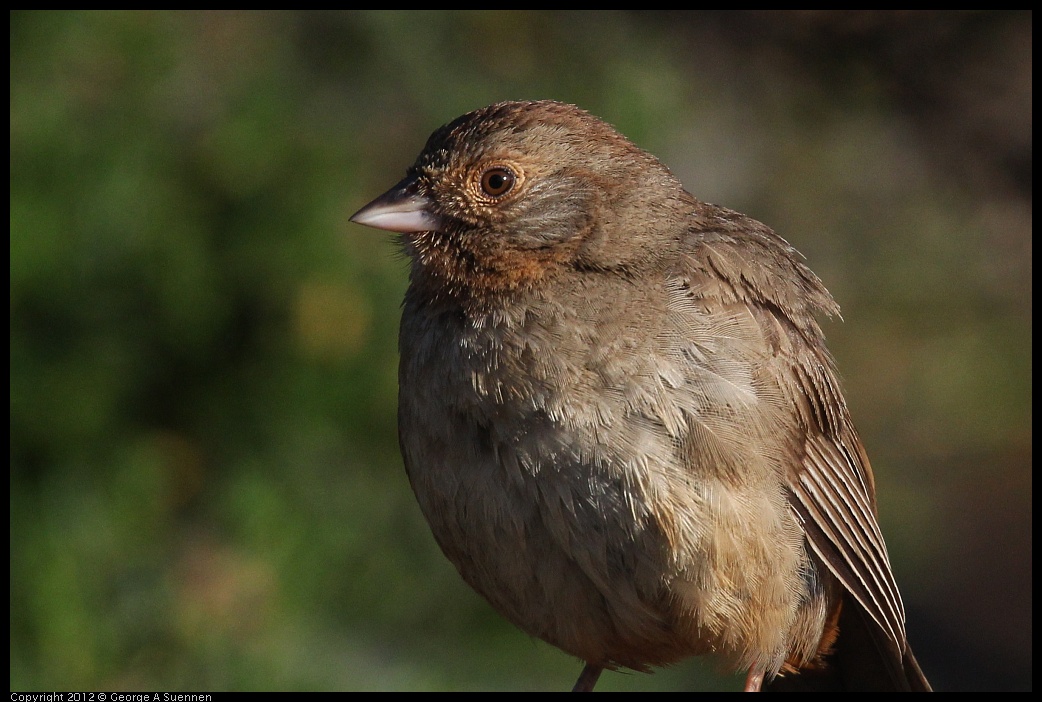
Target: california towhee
619, 416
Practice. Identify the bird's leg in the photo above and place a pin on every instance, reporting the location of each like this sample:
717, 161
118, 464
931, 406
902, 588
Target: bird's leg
753, 681
587, 678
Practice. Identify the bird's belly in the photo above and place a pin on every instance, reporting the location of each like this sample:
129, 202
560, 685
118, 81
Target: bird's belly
557, 543
617, 556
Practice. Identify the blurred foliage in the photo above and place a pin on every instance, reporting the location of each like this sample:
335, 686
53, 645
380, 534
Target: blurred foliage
205, 486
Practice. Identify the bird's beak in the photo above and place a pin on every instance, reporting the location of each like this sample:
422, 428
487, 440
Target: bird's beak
400, 209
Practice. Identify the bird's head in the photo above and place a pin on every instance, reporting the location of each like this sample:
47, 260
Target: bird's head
504, 196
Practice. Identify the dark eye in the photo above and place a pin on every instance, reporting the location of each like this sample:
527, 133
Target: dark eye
497, 181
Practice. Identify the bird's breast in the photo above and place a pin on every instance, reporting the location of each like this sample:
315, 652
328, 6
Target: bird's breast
568, 465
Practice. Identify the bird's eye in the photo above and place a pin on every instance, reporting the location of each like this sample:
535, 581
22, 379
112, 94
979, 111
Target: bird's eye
497, 181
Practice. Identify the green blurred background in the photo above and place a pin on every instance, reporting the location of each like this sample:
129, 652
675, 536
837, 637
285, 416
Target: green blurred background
206, 491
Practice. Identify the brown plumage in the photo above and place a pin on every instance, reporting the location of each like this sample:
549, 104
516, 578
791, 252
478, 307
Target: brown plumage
619, 416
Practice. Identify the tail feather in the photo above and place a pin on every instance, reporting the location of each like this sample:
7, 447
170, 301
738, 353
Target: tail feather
862, 659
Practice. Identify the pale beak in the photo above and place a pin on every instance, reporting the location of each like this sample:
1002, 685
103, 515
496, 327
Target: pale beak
400, 209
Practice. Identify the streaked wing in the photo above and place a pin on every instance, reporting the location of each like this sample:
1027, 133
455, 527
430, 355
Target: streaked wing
834, 495
739, 260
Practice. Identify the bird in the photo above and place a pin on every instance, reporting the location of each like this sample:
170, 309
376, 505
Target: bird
619, 416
